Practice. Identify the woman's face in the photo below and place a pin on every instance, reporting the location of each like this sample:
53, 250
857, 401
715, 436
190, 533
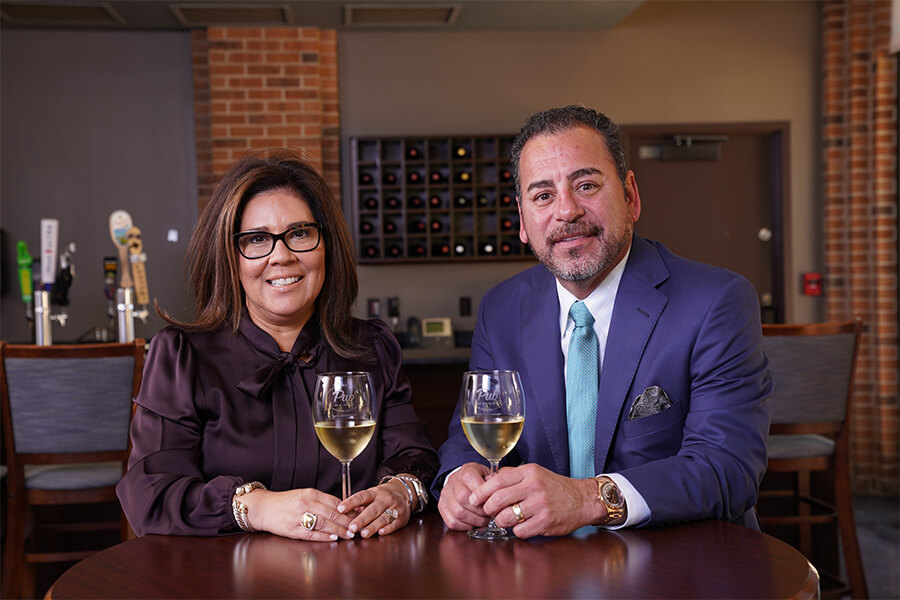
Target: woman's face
281, 288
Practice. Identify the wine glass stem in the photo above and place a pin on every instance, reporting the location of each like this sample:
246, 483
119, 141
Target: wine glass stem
495, 466
345, 479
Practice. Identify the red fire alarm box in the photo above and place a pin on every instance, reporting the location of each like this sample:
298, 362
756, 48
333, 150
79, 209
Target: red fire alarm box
812, 284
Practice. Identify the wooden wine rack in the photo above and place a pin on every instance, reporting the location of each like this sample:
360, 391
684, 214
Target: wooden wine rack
434, 198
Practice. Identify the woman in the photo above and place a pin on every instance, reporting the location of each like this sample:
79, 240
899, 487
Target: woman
223, 435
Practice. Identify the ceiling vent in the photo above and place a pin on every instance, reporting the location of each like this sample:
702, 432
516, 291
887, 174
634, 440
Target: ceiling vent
400, 15
203, 15
90, 14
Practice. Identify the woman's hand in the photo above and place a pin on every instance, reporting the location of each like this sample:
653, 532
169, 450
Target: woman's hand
282, 513
370, 509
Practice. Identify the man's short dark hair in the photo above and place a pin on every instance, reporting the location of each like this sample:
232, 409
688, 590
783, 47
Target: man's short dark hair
557, 120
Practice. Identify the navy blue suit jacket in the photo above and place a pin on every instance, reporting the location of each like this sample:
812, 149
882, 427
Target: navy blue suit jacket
691, 329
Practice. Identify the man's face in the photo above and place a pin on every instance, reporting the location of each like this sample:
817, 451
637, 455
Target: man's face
574, 211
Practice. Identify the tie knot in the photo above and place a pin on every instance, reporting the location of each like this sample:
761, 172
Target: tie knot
581, 315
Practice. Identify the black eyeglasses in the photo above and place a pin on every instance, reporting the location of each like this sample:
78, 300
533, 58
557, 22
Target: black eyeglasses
259, 244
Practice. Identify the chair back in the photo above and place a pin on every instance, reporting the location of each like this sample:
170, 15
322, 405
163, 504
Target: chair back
68, 403
812, 371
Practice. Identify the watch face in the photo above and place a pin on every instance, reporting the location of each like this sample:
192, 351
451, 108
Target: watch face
611, 494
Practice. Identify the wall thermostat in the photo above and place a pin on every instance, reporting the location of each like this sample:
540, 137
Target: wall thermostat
437, 332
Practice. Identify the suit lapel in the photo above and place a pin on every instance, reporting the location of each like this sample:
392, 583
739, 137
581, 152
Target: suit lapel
543, 379
637, 308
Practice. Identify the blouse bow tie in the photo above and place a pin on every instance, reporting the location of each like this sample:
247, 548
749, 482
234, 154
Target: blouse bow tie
259, 383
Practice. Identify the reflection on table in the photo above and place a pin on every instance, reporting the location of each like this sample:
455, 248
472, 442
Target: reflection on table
424, 560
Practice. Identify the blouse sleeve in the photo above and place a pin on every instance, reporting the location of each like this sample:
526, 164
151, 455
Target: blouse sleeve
163, 490
406, 446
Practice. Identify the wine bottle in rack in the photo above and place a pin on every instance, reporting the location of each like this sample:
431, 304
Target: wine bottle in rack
413, 153
418, 226
460, 151
506, 248
487, 249
460, 249
440, 249
507, 224
483, 201
417, 250
366, 227
416, 203
464, 176
462, 201
414, 177
506, 199
437, 177
370, 203
395, 251
436, 226
393, 203
505, 175
390, 178
390, 227
434, 201
365, 178
371, 251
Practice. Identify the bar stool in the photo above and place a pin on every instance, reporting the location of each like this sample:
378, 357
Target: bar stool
812, 374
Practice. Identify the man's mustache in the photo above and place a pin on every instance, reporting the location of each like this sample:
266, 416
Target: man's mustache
571, 230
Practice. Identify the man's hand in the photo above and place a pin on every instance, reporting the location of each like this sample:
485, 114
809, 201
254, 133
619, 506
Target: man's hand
454, 505
551, 504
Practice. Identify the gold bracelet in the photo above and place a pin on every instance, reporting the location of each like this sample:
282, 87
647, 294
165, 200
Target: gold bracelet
239, 509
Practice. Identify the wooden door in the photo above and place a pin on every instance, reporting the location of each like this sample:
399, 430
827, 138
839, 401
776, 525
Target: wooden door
715, 193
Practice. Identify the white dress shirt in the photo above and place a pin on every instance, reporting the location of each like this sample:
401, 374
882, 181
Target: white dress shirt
600, 302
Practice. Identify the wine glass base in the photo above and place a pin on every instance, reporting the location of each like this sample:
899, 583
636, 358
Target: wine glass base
492, 533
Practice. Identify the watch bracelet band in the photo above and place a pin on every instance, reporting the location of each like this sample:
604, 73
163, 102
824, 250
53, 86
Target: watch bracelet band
621, 512
238, 508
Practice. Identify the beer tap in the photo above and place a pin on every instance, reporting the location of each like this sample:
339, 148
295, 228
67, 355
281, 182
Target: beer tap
50, 287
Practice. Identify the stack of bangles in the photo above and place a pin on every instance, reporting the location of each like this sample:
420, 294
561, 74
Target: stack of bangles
418, 497
239, 508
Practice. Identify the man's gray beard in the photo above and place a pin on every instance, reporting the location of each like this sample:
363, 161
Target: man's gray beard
586, 267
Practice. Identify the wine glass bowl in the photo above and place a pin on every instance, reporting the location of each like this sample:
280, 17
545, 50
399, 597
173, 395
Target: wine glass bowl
343, 418
492, 414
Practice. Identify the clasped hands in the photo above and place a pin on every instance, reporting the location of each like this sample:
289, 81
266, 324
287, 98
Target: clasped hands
382, 509
548, 503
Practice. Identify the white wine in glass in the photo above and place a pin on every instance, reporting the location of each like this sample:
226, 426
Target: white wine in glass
492, 413
342, 413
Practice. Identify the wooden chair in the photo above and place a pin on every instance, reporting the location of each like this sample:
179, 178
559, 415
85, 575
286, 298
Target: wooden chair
66, 411
812, 374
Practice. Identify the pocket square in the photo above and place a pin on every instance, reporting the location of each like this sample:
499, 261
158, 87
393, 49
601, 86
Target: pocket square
654, 400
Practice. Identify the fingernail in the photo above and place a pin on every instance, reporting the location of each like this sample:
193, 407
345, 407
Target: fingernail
365, 533
341, 508
350, 534
334, 537
353, 528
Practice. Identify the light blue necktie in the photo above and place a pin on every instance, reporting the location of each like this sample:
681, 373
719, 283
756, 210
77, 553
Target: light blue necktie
581, 392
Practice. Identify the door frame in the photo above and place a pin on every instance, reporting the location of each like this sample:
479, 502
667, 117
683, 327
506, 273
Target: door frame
778, 142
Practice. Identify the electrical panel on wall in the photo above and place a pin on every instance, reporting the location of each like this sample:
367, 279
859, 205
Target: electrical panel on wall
434, 198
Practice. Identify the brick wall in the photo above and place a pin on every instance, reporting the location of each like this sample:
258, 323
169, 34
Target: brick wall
258, 88
859, 135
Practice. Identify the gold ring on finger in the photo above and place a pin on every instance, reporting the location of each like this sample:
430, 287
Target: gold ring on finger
309, 520
392, 514
517, 510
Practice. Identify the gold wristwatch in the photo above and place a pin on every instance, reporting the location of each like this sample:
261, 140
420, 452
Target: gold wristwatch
609, 495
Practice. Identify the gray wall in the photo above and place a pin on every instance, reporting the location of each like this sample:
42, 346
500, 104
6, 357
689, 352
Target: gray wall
93, 122
667, 62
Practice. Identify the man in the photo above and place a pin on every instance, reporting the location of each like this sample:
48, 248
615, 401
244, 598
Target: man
657, 413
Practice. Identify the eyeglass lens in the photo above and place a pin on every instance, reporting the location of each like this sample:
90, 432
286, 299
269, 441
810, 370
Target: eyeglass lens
257, 244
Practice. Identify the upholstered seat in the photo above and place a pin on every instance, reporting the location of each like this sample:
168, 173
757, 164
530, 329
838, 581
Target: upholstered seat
812, 370
66, 414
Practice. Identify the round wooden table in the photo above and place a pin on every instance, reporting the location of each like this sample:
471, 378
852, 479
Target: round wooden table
709, 559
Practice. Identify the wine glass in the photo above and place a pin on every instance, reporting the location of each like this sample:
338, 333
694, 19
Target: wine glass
492, 413
342, 414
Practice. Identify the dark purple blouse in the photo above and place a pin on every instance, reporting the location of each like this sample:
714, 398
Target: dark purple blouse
216, 410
